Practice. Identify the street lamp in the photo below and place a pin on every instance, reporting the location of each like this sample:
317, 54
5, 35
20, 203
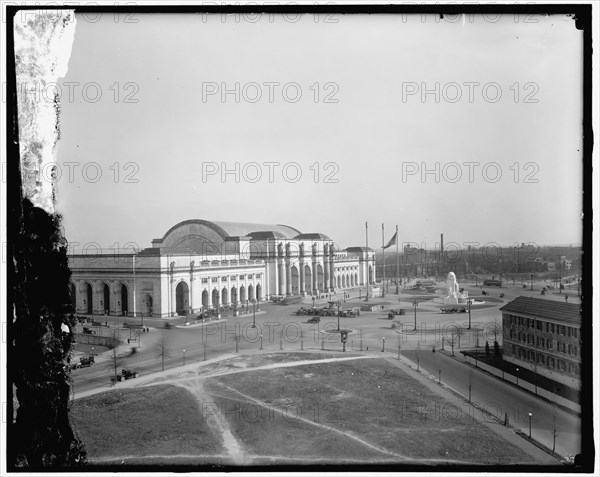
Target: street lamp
415, 303
261, 338
338, 314
253, 313
532, 282
313, 299
184, 357
517, 376
92, 351
469, 306
530, 424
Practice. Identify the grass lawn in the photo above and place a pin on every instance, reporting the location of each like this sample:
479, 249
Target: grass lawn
370, 399
160, 420
364, 410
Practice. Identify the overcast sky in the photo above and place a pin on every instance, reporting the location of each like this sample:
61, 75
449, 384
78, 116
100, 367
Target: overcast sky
161, 121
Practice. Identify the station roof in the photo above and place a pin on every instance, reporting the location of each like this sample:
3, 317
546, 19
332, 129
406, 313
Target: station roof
569, 313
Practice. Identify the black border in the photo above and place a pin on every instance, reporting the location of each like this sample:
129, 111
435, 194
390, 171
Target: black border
583, 19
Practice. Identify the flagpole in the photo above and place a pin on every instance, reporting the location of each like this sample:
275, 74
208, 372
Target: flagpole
383, 257
367, 260
397, 264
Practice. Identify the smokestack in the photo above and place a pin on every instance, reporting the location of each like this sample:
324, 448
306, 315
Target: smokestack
442, 245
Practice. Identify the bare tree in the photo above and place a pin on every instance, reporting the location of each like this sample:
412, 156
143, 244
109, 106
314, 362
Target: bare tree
458, 332
163, 350
115, 363
495, 328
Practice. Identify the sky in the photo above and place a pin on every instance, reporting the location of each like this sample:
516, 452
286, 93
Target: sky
333, 109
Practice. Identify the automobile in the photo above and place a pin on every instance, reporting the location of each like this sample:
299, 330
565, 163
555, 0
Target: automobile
314, 319
543, 292
88, 331
483, 292
86, 361
125, 374
501, 295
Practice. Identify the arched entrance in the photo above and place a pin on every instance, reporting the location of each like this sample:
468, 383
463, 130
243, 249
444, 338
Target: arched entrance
204, 299
243, 294
250, 292
224, 296
73, 296
182, 298
258, 292
215, 298
320, 278
124, 299
89, 294
295, 281
106, 301
308, 277
148, 302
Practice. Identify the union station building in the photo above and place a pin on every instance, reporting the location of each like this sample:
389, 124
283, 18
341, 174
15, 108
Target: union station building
200, 265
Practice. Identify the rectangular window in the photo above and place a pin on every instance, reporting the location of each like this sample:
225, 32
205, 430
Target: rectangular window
561, 365
214, 279
258, 275
550, 344
223, 279
575, 350
205, 280
547, 327
551, 327
539, 325
574, 332
233, 277
242, 277
514, 349
569, 331
249, 275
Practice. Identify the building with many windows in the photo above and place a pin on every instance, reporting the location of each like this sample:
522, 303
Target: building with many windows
545, 337
199, 265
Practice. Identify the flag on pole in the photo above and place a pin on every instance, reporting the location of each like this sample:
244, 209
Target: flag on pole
392, 241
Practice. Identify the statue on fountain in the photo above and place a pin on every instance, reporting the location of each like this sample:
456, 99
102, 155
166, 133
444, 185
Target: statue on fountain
453, 294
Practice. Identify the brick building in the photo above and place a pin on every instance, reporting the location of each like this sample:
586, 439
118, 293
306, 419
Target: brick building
544, 336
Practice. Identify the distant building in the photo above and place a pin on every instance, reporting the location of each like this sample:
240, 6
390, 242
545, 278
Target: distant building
544, 336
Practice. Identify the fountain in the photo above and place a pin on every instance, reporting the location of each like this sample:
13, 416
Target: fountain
453, 294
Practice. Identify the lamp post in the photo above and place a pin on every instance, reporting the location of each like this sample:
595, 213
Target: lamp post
184, 357
92, 351
261, 338
415, 303
469, 307
313, 299
338, 314
253, 313
530, 424
517, 376
532, 282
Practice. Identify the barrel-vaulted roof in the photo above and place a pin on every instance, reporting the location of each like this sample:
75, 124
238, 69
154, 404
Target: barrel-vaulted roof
206, 236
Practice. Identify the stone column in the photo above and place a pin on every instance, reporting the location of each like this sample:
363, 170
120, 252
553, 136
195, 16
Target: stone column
288, 270
301, 277
326, 273
314, 276
116, 294
173, 310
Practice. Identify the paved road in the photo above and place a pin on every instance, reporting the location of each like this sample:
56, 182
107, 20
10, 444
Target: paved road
499, 397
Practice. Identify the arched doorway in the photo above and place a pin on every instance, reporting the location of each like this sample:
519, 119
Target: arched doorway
343, 281
295, 281
148, 302
73, 296
309, 283
182, 298
106, 301
243, 294
370, 275
204, 299
320, 278
250, 292
234, 296
258, 292
89, 294
124, 299
224, 296
215, 298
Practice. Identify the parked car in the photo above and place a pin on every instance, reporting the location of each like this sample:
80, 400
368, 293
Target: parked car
88, 331
314, 319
